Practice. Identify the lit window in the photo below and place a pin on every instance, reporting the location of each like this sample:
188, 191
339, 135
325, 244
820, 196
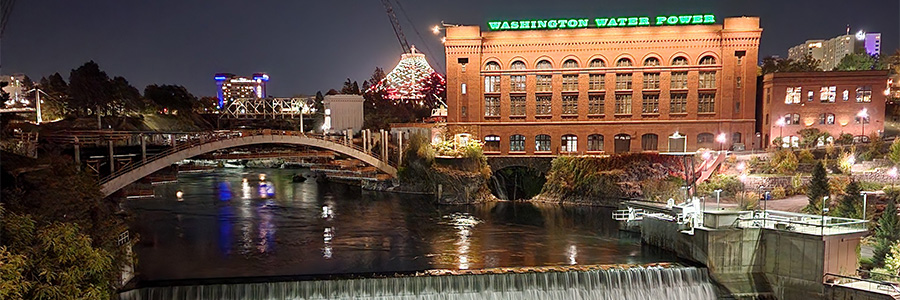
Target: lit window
517, 105
544, 64
651, 81
623, 81
569, 143
492, 143
846, 95
595, 142
826, 119
679, 80
491, 106
738, 82
792, 119
462, 88
792, 95
596, 82
570, 63
491, 84
595, 105
651, 62
542, 105
517, 143
706, 103
517, 83
542, 142
827, 94
650, 105
517, 65
570, 82
864, 93
597, 63
809, 96
492, 66
680, 61
623, 62
678, 103
623, 104
544, 83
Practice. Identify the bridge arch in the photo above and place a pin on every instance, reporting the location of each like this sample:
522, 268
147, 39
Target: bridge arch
126, 176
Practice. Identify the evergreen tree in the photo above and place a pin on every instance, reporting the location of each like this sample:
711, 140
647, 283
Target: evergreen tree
849, 203
894, 152
888, 232
817, 189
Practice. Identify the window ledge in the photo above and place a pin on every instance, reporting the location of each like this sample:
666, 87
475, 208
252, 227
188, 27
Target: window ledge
543, 116
543, 152
596, 115
678, 113
624, 115
517, 152
706, 113
650, 114
517, 117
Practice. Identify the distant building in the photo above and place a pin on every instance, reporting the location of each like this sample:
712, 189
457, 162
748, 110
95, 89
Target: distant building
15, 87
230, 87
836, 102
343, 112
830, 52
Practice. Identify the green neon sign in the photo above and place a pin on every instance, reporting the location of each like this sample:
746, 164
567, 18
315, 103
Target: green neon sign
602, 22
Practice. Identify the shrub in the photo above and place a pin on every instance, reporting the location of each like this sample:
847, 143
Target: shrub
748, 200
779, 193
784, 162
806, 157
729, 184
844, 139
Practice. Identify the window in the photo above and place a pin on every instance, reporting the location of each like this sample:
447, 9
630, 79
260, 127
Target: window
736, 137
570, 104
517, 83
491, 84
544, 64
622, 143
793, 95
517, 105
862, 120
740, 60
706, 103
542, 105
597, 63
826, 119
708, 80
517, 143
544, 83
649, 142
517, 65
492, 106
708, 60
464, 111
650, 104
570, 82
569, 143
623, 104
864, 93
542, 142
596, 82
846, 95
809, 96
680, 61
705, 138
595, 142
651, 81
651, 62
679, 80
678, 103
790, 141
492, 66
570, 64
595, 105
492, 143
792, 119
827, 94
462, 88
623, 62
623, 81
738, 82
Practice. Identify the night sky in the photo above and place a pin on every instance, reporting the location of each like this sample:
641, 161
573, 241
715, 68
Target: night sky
307, 46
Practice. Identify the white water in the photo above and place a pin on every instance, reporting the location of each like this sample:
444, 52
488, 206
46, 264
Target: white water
500, 188
635, 283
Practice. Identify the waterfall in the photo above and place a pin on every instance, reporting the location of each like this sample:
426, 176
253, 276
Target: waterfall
635, 283
500, 188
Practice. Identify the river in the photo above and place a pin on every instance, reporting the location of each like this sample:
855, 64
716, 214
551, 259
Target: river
229, 223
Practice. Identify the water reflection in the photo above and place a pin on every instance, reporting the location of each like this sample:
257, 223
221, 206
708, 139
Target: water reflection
278, 227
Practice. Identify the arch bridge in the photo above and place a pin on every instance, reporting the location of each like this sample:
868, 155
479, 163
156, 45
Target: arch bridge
213, 141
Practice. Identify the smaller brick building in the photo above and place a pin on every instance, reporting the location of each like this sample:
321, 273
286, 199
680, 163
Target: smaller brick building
836, 102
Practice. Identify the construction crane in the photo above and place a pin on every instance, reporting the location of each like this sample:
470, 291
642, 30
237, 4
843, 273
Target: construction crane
396, 24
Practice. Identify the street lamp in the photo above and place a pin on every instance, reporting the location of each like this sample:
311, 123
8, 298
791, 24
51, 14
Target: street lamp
824, 209
863, 116
718, 193
722, 138
780, 123
865, 195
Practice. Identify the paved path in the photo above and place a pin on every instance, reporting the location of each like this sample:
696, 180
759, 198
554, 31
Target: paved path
792, 204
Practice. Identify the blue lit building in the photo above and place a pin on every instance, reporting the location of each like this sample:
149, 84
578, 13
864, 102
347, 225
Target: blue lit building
230, 87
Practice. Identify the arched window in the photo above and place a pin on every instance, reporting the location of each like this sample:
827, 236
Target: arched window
705, 138
570, 63
544, 64
517, 65
826, 119
595, 142
680, 61
492, 143
651, 62
792, 119
492, 66
649, 142
623, 62
598, 63
736, 138
517, 143
708, 60
792, 141
623, 143
542, 142
569, 143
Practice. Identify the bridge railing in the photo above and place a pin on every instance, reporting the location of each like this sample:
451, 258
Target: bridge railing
200, 138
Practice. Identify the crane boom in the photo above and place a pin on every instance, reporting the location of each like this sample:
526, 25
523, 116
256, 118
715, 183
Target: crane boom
396, 24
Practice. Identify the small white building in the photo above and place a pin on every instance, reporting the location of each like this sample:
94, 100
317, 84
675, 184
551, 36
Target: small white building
343, 112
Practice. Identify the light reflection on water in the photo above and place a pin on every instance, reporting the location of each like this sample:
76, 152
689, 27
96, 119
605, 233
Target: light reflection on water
278, 227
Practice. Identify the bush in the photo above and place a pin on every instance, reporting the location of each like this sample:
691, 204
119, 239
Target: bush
748, 200
784, 162
844, 139
779, 193
806, 157
729, 184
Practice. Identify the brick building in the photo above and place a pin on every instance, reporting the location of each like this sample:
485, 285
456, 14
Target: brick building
593, 90
835, 102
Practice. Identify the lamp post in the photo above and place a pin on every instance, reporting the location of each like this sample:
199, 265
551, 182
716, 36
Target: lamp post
863, 116
721, 139
780, 123
824, 209
718, 194
865, 195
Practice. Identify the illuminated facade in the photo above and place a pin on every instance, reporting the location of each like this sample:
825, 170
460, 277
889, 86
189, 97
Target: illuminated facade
230, 87
835, 102
830, 52
604, 85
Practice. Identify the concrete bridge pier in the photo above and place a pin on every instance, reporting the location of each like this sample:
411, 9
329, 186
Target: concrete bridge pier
112, 158
143, 148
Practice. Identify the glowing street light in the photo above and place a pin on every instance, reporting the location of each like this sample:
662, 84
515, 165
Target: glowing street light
863, 116
893, 174
436, 29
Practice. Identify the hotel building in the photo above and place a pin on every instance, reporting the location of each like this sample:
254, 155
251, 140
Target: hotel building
836, 102
230, 87
830, 52
604, 89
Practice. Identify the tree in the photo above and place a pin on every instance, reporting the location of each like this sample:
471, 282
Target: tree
894, 152
773, 64
125, 98
817, 189
171, 98
849, 205
888, 232
90, 91
860, 62
55, 104
350, 88
810, 137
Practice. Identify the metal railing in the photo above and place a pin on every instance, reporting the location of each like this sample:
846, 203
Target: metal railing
801, 223
200, 138
863, 283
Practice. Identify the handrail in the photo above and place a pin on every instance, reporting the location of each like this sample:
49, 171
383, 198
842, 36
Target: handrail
215, 136
893, 286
